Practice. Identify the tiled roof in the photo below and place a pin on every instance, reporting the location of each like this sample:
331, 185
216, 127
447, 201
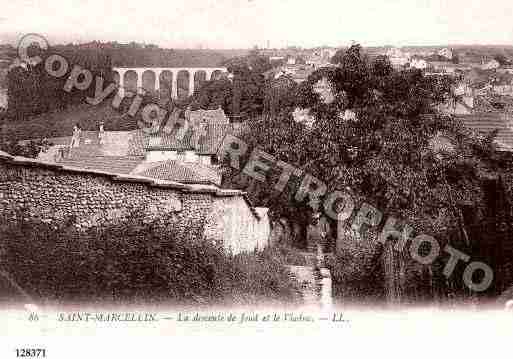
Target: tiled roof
204, 139
183, 172
189, 188
212, 137
207, 117
114, 143
136, 144
503, 79
485, 123
60, 141
109, 164
170, 141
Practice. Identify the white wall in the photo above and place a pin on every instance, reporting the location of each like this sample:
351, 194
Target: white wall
205, 160
191, 156
157, 156
3, 98
232, 220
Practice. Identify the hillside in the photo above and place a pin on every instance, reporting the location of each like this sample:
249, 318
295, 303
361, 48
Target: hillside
139, 55
60, 123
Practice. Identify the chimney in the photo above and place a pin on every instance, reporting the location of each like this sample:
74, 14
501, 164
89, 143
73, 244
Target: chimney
101, 134
75, 139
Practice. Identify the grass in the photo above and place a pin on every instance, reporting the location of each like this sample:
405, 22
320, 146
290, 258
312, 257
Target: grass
292, 256
137, 263
59, 123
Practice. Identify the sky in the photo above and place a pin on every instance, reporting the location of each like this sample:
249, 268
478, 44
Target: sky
225, 24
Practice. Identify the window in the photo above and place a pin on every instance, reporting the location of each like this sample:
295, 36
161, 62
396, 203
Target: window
180, 156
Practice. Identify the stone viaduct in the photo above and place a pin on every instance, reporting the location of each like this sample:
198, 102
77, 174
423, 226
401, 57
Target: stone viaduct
154, 78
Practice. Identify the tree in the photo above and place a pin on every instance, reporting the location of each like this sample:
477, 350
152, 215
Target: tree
381, 66
502, 59
337, 58
243, 96
455, 58
214, 94
30, 149
33, 91
280, 96
384, 155
397, 154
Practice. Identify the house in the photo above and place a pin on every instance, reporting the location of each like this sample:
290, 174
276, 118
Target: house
320, 57
95, 197
442, 67
448, 68
462, 88
482, 124
135, 153
209, 117
418, 63
58, 146
447, 53
299, 73
502, 84
397, 57
461, 101
348, 115
302, 115
457, 107
276, 58
506, 69
441, 143
491, 65
291, 60
185, 156
503, 90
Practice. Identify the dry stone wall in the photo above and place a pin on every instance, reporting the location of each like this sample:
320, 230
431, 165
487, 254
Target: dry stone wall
52, 193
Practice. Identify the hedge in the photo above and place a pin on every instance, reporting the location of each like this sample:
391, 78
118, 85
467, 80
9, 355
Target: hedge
136, 263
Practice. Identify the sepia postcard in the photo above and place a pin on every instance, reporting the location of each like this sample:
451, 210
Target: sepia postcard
250, 178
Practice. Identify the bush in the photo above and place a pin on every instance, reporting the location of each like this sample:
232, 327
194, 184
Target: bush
134, 262
292, 256
262, 275
357, 274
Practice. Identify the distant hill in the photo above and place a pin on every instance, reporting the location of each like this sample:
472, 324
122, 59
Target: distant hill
139, 55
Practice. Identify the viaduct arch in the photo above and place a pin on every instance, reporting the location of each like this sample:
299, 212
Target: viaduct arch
156, 75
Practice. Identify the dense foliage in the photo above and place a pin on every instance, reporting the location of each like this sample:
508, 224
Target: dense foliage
242, 97
30, 148
397, 153
135, 262
32, 91
214, 94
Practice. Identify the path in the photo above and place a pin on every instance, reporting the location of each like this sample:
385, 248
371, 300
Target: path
315, 285
308, 284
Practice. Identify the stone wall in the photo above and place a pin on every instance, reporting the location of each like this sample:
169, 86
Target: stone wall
55, 193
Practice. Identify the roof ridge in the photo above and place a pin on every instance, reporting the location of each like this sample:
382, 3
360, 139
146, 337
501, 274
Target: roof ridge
219, 192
